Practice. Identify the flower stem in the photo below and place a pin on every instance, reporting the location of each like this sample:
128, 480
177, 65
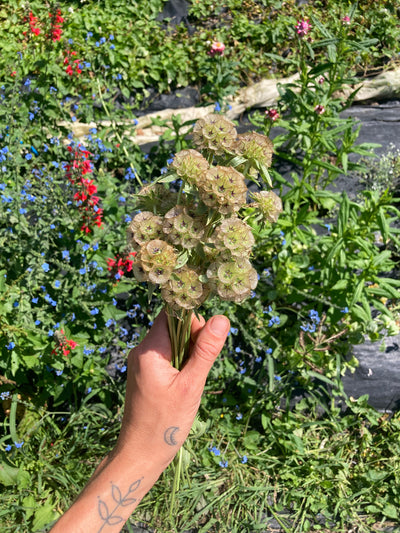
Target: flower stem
179, 333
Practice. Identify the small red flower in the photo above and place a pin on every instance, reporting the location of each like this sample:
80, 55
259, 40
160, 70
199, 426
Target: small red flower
217, 48
303, 27
272, 114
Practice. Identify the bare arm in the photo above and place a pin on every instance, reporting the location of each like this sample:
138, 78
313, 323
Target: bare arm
160, 406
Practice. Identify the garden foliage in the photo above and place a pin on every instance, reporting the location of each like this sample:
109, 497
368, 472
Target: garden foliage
277, 436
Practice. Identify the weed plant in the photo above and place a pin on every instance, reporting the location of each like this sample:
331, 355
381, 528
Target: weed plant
277, 436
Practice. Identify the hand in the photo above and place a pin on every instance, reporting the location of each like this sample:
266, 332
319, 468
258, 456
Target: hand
162, 402
160, 405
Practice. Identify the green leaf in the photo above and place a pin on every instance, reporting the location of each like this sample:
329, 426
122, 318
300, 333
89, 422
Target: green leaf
341, 285
357, 293
383, 225
8, 474
343, 214
390, 510
44, 515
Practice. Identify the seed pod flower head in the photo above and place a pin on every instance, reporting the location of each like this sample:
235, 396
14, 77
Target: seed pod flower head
155, 261
268, 203
223, 189
214, 133
232, 280
145, 227
256, 147
184, 289
190, 165
233, 236
156, 196
181, 228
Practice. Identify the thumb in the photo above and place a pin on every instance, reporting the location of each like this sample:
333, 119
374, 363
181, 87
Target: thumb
209, 342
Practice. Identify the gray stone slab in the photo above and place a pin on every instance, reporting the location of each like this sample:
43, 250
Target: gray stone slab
377, 375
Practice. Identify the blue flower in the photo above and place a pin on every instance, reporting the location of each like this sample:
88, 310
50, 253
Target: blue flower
102, 349
8, 447
37, 322
238, 349
123, 369
94, 311
112, 46
215, 451
274, 320
244, 459
223, 464
345, 310
65, 254
234, 331
239, 416
59, 372
89, 390
28, 157
82, 271
10, 346
57, 284
258, 359
19, 444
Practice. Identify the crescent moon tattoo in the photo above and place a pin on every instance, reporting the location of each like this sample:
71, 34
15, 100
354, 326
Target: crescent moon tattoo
169, 435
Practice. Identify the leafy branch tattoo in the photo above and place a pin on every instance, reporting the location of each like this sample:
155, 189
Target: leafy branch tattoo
169, 435
109, 517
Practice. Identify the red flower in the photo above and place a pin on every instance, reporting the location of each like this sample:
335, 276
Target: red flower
272, 114
62, 343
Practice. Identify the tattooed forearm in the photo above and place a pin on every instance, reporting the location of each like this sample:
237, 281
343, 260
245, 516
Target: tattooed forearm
110, 518
169, 435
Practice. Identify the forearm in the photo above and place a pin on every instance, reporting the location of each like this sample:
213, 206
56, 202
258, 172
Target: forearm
114, 491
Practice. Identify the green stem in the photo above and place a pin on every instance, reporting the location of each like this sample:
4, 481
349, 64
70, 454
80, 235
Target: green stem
116, 132
179, 332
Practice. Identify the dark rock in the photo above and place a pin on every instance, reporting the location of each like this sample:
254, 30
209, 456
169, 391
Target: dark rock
377, 375
179, 99
176, 11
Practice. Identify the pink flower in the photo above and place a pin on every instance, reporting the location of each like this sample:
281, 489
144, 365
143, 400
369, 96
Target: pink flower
303, 27
319, 109
346, 20
321, 80
272, 114
217, 48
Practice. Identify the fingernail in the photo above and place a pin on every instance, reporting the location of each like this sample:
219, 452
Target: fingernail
219, 325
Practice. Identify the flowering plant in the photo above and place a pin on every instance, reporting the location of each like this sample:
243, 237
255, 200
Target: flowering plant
197, 241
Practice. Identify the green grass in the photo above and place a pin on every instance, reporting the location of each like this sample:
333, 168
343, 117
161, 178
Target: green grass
327, 457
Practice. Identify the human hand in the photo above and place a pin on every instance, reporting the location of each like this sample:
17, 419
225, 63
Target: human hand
161, 401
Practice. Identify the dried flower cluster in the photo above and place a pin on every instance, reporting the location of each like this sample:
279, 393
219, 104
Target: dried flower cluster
197, 242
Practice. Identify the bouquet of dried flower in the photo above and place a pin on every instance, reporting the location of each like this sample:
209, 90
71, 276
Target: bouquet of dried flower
196, 242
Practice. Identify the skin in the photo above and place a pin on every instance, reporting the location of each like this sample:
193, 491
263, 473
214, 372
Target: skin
160, 406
